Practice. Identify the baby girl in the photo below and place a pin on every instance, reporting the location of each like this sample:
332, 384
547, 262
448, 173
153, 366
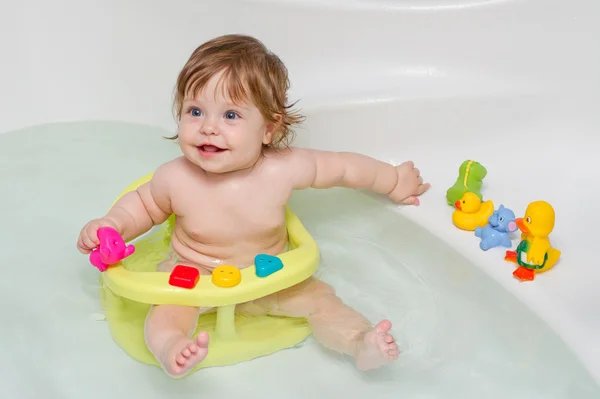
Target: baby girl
229, 190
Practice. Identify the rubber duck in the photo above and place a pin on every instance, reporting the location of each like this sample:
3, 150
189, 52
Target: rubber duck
471, 213
534, 254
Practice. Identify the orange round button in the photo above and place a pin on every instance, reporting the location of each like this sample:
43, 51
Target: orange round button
226, 276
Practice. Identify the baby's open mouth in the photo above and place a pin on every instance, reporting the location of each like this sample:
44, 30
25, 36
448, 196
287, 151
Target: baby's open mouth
210, 148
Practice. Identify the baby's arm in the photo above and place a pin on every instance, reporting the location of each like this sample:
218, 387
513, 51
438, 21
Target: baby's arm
325, 169
135, 213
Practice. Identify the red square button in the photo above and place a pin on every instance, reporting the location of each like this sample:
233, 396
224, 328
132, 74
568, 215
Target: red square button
184, 276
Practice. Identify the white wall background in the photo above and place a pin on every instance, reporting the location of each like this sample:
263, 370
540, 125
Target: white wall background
92, 59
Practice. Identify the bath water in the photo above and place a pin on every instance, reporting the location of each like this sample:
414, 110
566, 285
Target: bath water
462, 335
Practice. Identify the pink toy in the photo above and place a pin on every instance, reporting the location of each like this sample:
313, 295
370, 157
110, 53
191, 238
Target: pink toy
112, 249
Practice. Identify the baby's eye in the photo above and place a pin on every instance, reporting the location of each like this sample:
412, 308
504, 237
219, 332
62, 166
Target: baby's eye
195, 112
231, 115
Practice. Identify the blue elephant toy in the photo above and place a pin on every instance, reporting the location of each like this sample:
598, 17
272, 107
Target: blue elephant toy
495, 233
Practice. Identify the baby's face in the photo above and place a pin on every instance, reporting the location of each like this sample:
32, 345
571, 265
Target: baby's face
218, 135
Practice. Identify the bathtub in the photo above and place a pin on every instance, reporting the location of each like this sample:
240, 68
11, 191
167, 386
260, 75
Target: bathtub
512, 84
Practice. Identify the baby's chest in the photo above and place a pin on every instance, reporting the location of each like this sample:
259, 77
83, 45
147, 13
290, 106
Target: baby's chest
217, 213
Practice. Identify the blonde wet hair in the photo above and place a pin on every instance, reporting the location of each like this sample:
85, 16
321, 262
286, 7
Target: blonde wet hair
250, 72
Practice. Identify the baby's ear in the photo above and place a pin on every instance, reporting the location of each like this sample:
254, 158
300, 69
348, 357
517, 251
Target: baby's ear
267, 137
272, 130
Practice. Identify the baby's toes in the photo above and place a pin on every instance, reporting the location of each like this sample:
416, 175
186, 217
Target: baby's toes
392, 346
180, 359
186, 352
193, 348
392, 349
388, 339
202, 340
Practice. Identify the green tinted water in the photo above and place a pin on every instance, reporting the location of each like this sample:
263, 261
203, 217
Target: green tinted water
462, 334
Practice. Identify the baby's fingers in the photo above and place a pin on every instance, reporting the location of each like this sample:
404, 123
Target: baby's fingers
412, 200
88, 243
82, 247
422, 187
84, 250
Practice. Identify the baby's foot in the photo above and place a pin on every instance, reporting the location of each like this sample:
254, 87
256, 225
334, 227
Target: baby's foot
182, 354
378, 348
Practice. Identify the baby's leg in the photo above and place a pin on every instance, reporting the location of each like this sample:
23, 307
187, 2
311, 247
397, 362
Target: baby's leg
334, 324
168, 333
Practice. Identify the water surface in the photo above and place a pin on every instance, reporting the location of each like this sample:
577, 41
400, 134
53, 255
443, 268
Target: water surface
463, 336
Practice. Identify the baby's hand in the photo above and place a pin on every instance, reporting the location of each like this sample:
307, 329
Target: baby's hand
88, 238
410, 185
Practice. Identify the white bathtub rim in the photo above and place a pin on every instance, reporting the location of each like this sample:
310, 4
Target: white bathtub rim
389, 5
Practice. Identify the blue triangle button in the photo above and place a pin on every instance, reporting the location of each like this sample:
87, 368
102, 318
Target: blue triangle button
267, 265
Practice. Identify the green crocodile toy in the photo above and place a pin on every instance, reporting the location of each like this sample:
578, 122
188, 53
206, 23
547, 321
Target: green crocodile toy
470, 178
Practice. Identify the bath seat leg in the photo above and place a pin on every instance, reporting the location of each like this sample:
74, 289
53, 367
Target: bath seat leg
225, 325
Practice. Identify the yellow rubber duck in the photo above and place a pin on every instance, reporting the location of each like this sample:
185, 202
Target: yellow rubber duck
534, 254
471, 213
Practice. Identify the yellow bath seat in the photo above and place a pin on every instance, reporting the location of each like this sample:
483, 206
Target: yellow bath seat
129, 288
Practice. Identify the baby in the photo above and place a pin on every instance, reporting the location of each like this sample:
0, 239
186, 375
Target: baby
229, 190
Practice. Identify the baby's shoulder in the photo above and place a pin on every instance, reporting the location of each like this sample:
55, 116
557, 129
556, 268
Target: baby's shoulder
293, 165
278, 161
175, 167
174, 171
289, 156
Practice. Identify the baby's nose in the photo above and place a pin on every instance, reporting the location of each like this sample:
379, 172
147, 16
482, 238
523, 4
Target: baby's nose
209, 128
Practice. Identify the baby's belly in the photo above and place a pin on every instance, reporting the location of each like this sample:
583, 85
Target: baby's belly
239, 252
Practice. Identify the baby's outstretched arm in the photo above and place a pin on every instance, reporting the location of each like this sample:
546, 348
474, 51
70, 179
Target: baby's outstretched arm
325, 169
135, 213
